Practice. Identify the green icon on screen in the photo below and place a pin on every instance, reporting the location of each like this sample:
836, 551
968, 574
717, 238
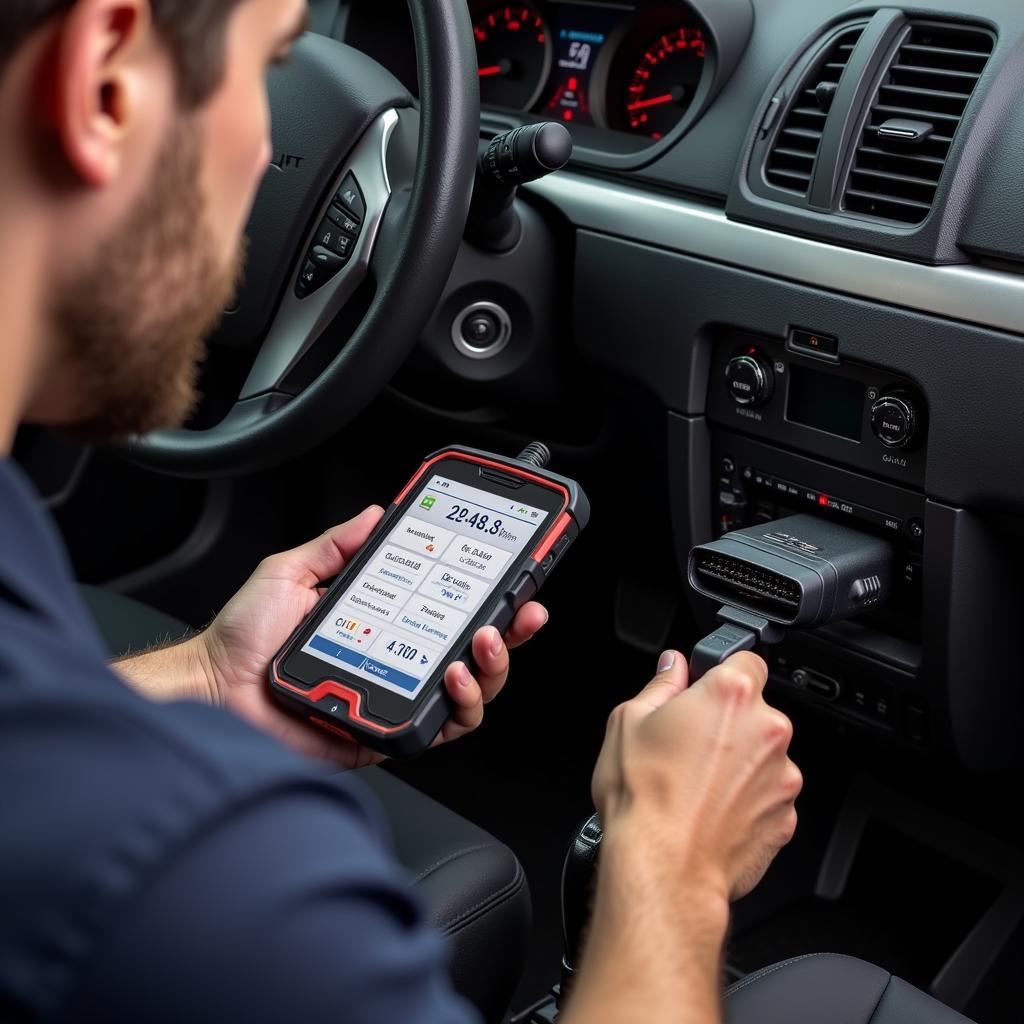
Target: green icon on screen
428, 502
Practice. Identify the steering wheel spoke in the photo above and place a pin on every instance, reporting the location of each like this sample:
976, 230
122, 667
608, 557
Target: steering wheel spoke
335, 262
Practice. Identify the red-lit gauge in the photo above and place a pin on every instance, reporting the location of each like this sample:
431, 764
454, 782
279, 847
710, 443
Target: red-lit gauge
664, 83
569, 102
513, 47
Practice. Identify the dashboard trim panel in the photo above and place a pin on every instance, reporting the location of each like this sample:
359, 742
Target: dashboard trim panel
974, 295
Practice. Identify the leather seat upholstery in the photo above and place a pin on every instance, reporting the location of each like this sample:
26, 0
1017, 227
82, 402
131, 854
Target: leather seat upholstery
826, 987
472, 886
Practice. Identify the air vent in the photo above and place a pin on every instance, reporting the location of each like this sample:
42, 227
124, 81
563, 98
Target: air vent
922, 97
790, 164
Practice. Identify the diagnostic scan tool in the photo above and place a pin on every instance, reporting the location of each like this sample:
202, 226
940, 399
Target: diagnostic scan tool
469, 540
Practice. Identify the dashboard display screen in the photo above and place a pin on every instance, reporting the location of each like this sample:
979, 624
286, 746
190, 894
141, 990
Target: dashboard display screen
834, 405
616, 66
411, 604
579, 34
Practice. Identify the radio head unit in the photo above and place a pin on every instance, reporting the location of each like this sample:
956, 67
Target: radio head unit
816, 403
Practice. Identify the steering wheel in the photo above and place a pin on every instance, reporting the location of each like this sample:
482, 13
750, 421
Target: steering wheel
368, 194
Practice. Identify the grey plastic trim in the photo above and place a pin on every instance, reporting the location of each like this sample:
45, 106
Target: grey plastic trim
300, 322
873, 51
975, 295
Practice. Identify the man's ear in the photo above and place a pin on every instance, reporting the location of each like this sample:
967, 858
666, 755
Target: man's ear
97, 88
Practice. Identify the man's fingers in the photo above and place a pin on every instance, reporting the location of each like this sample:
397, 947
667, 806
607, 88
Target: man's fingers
528, 621
466, 695
491, 658
672, 678
327, 554
744, 666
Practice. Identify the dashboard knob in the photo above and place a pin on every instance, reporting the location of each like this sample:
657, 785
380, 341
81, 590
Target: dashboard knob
750, 379
894, 419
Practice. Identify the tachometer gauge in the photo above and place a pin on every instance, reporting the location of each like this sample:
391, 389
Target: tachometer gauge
664, 82
513, 48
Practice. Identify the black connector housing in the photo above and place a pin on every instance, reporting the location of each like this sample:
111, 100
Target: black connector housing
799, 571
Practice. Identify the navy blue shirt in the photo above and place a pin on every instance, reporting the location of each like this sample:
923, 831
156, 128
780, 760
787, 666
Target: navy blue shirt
167, 862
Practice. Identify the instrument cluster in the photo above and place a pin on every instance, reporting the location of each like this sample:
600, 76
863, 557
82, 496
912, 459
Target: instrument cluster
620, 67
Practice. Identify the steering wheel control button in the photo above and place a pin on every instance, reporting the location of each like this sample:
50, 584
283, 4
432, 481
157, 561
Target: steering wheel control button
306, 278
350, 196
894, 420
330, 236
482, 330
319, 268
344, 220
750, 379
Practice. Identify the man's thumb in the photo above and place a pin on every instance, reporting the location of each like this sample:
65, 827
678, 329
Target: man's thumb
331, 551
672, 678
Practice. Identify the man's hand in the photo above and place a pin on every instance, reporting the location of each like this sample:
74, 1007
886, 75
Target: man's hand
706, 766
228, 662
696, 795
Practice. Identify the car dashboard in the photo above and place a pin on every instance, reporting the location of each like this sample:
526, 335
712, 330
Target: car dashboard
788, 238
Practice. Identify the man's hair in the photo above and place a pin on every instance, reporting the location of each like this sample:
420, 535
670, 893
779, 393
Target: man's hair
194, 30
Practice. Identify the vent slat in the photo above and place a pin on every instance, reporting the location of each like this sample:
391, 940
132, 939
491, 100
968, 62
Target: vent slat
928, 94
791, 159
895, 200
931, 78
803, 179
944, 51
796, 154
885, 166
802, 133
917, 113
969, 77
906, 179
916, 158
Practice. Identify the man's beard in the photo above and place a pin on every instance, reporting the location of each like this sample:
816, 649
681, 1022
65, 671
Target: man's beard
133, 324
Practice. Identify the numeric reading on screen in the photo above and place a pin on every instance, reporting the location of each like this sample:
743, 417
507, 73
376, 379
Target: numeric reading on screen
477, 520
396, 622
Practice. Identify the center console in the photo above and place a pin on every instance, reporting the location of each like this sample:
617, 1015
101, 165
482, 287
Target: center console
793, 429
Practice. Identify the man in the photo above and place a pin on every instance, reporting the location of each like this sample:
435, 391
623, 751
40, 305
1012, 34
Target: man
169, 861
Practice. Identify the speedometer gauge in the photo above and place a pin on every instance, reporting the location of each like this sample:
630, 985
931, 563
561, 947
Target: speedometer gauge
513, 48
664, 82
